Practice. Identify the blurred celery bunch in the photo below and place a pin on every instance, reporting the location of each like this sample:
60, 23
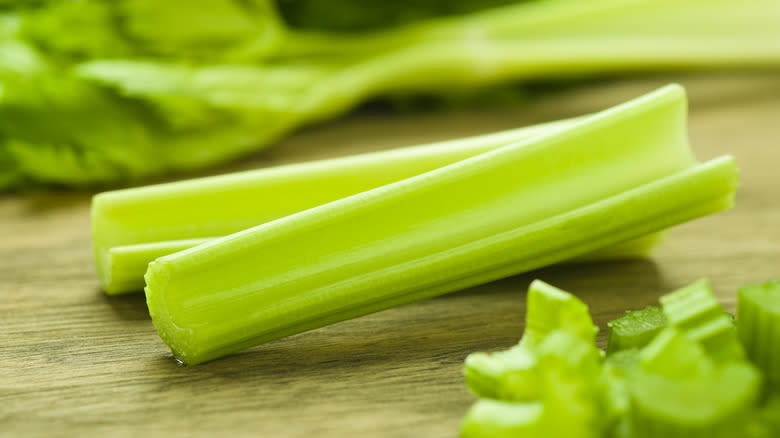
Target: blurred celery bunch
101, 92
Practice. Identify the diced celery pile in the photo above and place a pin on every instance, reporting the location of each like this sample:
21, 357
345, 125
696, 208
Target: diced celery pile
677, 371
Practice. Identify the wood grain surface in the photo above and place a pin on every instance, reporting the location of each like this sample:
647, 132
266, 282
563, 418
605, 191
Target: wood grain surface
74, 362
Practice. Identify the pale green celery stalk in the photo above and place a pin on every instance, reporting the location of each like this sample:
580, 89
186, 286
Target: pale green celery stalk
165, 218
608, 178
127, 264
132, 227
553, 39
442, 65
607, 20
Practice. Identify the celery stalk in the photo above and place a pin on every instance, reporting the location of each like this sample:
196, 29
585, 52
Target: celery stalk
172, 215
128, 263
604, 179
200, 325
132, 227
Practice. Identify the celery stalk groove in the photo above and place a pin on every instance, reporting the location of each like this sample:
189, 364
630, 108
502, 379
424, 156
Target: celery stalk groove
607, 178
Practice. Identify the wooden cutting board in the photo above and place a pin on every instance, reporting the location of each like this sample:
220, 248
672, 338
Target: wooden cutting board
74, 362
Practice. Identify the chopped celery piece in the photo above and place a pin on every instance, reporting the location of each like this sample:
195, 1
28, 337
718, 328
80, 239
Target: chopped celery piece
564, 405
635, 329
673, 355
758, 317
569, 367
512, 374
570, 353
602, 180
500, 419
171, 214
694, 311
503, 375
615, 398
712, 406
550, 308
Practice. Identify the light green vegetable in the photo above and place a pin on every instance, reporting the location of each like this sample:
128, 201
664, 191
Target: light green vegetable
547, 384
549, 309
513, 374
564, 405
615, 397
674, 355
503, 375
121, 268
202, 82
500, 419
132, 227
695, 311
713, 405
569, 367
758, 315
600, 181
766, 422
636, 329
692, 379
674, 386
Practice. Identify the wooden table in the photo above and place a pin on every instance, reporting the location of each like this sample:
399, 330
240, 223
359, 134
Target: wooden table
74, 362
